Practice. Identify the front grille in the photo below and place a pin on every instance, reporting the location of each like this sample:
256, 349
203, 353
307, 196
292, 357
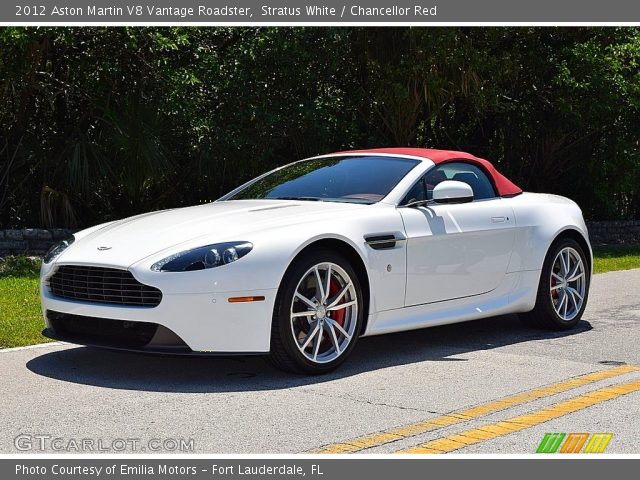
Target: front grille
102, 285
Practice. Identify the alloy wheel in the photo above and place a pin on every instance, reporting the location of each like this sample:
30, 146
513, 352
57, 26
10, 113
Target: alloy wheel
568, 284
324, 312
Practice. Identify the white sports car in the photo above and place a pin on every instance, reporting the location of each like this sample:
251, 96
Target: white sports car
303, 260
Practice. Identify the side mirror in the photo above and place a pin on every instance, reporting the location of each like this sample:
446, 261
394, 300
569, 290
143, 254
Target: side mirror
452, 191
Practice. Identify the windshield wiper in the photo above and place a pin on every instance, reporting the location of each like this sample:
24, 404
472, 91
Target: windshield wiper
310, 199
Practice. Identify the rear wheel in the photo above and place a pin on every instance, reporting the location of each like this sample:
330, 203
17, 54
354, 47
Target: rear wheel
563, 288
318, 314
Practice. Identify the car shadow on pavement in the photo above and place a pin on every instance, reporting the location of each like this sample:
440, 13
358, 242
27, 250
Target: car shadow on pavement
198, 374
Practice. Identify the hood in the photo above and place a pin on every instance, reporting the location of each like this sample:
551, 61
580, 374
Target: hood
130, 240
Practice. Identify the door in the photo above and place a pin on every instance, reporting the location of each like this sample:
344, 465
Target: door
456, 250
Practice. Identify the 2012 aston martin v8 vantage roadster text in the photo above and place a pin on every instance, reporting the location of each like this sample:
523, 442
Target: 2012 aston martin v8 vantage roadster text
302, 261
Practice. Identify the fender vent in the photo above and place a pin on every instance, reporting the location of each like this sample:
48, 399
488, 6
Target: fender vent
381, 242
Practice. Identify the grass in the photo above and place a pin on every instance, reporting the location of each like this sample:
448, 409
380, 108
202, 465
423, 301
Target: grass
616, 257
21, 320
20, 317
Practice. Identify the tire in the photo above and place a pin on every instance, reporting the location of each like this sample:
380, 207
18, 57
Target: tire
558, 305
294, 346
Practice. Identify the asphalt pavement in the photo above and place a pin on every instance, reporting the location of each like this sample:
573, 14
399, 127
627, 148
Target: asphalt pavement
489, 386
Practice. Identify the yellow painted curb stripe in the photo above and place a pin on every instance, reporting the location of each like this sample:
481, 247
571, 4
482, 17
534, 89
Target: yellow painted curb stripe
521, 422
460, 416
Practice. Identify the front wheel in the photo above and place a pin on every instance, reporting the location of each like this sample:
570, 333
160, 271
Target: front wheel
563, 288
318, 314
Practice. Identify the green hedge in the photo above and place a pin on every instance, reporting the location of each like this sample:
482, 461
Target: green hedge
100, 123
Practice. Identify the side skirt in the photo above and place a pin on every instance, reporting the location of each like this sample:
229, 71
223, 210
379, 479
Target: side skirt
516, 293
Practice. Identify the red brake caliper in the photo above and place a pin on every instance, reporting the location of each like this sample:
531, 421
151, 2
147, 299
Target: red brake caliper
337, 315
554, 282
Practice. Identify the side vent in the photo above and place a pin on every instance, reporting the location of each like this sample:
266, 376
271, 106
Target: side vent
382, 242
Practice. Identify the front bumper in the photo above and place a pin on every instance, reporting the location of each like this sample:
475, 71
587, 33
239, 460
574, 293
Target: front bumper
118, 334
182, 322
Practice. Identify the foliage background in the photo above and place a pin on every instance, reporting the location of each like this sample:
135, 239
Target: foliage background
101, 123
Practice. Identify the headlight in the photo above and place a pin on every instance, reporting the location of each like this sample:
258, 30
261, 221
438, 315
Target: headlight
200, 258
57, 249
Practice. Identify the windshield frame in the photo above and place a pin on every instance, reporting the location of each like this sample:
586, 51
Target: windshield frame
410, 173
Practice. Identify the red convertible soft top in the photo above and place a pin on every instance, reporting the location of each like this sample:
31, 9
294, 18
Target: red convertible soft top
504, 186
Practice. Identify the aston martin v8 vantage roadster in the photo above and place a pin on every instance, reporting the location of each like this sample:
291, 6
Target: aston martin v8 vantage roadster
300, 262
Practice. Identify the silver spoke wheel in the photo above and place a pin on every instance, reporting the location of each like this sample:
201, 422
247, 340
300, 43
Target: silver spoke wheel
324, 312
568, 283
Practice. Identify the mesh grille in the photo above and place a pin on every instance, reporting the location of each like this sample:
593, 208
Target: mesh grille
102, 285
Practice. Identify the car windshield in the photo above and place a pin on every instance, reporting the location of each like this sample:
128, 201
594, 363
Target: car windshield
358, 179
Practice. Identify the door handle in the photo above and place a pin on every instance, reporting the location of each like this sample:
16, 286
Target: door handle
498, 219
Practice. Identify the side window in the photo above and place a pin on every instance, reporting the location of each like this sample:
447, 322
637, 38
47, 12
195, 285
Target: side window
433, 178
459, 171
416, 194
